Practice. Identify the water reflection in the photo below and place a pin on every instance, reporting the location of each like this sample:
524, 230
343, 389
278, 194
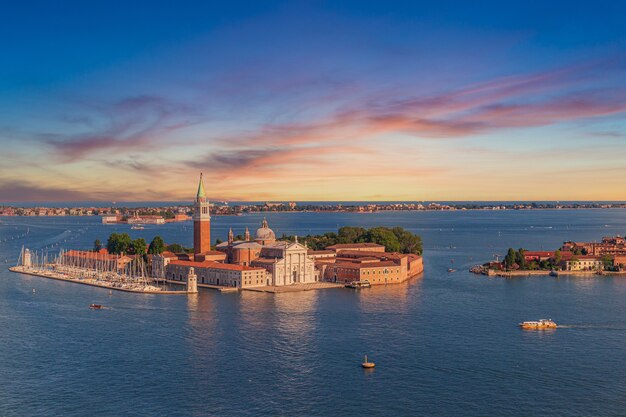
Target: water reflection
202, 320
583, 282
396, 297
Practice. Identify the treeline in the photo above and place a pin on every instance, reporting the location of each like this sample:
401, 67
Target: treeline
514, 259
119, 243
394, 239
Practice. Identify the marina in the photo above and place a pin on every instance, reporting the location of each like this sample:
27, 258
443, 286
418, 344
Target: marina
97, 271
77, 279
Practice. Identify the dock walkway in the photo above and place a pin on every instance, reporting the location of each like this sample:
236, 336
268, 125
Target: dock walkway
86, 281
209, 286
295, 287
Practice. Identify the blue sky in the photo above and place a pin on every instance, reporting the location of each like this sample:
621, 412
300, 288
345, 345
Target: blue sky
313, 100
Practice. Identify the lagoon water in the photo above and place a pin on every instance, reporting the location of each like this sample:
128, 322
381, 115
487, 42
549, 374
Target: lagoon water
445, 343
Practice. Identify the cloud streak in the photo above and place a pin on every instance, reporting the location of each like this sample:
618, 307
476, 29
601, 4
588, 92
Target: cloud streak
129, 124
547, 98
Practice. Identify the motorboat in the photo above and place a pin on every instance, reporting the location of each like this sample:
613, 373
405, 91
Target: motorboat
357, 285
542, 324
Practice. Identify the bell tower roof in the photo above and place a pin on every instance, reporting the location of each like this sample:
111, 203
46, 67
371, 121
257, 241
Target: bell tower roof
201, 193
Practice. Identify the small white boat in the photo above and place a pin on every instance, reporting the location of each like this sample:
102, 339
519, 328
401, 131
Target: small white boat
542, 324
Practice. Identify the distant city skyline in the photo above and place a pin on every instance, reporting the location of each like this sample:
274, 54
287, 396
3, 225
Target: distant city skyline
313, 101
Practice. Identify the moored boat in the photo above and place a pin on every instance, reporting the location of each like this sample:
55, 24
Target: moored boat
542, 324
357, 285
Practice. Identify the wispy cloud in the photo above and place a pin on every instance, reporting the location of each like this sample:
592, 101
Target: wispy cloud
533, 100
128, 124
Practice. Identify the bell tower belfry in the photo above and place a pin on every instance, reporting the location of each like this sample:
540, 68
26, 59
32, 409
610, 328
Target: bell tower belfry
201, 221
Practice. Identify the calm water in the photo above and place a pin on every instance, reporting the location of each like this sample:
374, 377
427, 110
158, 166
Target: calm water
444, 344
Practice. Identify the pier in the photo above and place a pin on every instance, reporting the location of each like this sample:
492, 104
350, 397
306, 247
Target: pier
90, 281
94, 270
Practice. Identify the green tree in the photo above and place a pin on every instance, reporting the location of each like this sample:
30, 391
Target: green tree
157, 246
409, 242
385, 237
510, 259
176, 248
119, 243
558, 257
607, 261
519, 258
350, 234
97, 245
139, 246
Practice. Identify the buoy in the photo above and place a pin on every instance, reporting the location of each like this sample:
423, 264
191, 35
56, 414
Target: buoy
368, 365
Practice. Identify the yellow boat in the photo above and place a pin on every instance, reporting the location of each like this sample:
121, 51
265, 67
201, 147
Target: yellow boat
368, 365
542, 324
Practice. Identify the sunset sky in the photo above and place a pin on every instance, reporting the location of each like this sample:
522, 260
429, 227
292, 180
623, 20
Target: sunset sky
335, 100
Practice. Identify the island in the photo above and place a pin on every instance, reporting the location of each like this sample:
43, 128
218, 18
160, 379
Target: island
353, 256
606, 257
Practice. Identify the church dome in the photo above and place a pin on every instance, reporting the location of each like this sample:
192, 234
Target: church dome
264, 233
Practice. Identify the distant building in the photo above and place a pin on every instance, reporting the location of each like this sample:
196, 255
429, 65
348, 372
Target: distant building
215, 273
287, 263
584, 263
375, 266
111, 219
538, 256
101, 260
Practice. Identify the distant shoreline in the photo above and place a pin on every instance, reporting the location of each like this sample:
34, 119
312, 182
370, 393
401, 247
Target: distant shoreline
235, 210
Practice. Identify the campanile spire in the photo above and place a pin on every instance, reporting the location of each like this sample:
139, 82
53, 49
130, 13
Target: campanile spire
201, 221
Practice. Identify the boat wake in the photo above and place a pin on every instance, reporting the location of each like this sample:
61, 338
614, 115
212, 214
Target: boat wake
593, 326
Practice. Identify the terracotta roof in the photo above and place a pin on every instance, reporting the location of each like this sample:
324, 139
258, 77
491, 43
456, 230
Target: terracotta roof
358, 260
95, 255
214, 265
354, 245
247, 245
267, 261
211, 252
370, 254
538, 253
353, 265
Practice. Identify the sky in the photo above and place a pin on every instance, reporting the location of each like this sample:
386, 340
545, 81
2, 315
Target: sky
329, 100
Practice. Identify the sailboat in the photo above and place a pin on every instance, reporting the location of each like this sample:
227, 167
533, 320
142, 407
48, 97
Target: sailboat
367, 365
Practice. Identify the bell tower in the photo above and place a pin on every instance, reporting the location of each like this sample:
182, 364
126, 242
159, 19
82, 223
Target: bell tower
201, 221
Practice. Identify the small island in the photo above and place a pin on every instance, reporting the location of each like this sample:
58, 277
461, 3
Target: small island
573, 258
354, 256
